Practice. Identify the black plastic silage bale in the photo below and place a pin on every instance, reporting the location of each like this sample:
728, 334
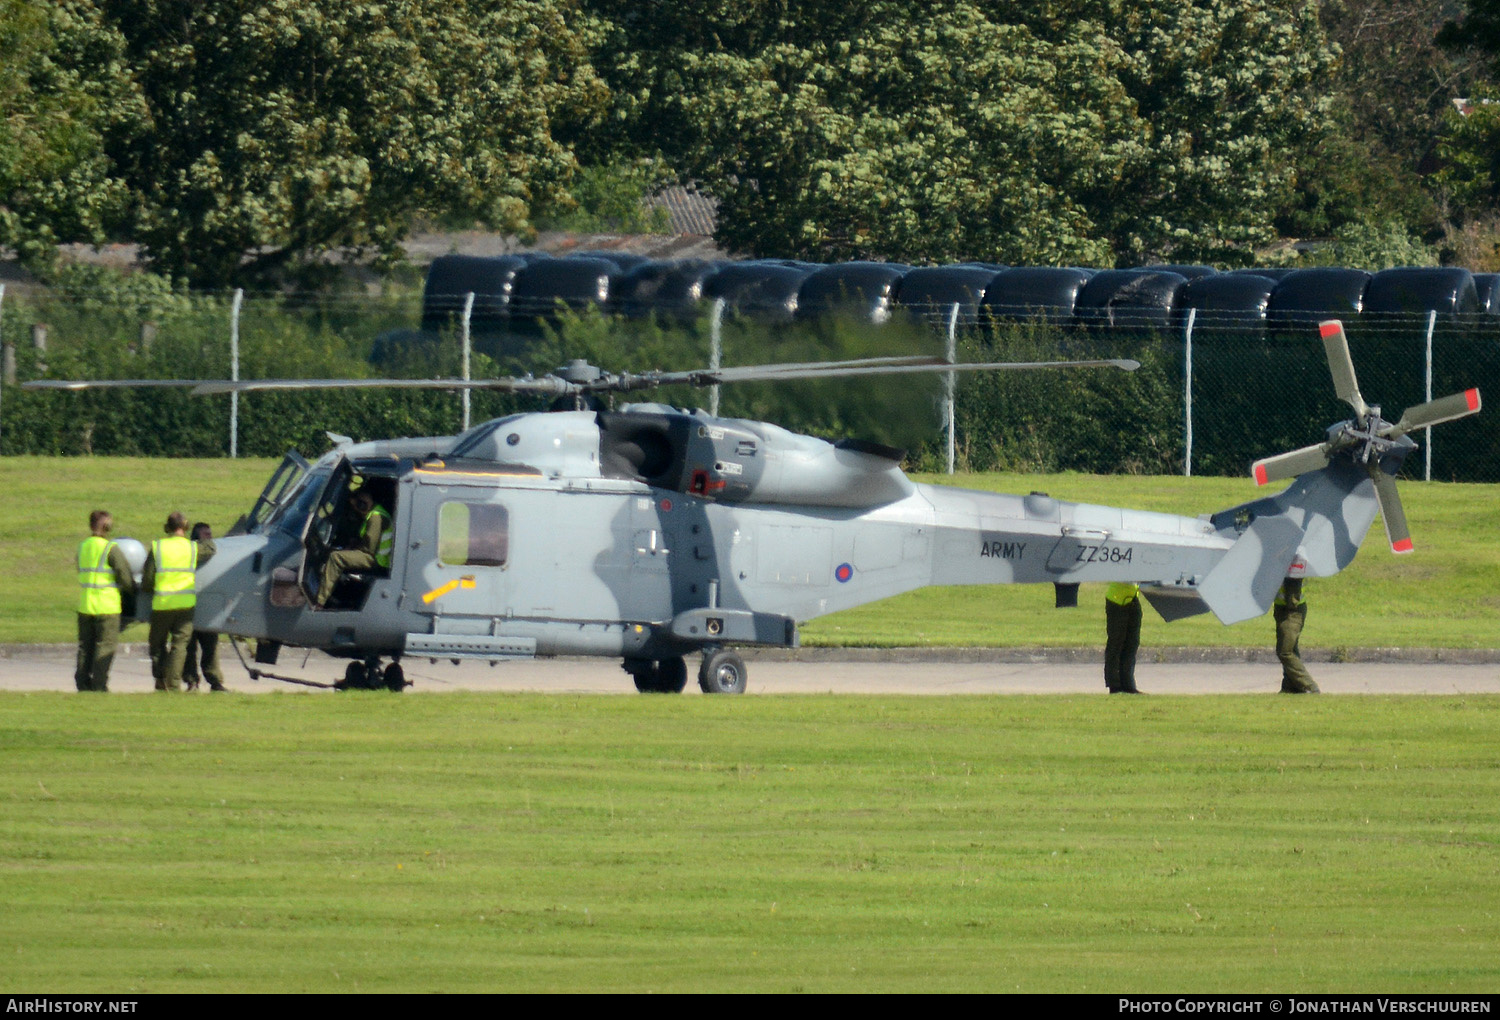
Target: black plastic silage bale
930, 292
669, 288
451, 277
541, 286
863, 289
1034, 292
1235, 303
764, 290
1414, 291
1129, 299
1309, 296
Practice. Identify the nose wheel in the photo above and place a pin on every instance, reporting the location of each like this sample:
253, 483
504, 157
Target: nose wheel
722, 672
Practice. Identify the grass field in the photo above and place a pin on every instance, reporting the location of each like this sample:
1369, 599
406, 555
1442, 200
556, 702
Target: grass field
1447, 594
530, 843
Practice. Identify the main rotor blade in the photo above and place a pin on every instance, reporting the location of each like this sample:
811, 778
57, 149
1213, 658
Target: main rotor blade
546, 385
1336, 346
1290, 465
839, 370
1396, 531
105, 384
1458, 405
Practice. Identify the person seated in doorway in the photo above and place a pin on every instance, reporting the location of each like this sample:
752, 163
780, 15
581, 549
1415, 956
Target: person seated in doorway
372, 547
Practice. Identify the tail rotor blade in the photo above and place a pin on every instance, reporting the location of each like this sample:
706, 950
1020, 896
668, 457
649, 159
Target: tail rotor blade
1336, 346
1458, 405
1396, 531
1290, 465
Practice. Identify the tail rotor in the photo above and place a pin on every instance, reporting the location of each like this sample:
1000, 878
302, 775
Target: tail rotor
1376, 445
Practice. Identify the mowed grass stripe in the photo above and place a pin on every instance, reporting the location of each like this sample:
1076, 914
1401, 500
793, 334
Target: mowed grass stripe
818, 843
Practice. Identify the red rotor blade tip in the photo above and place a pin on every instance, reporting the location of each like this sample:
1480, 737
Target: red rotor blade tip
1260, 474
1472, 396
1329, 328
1403, 546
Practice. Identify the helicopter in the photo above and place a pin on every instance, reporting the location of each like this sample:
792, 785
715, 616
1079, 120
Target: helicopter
650, 533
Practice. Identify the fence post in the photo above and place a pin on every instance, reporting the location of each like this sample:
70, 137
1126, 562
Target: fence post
1427, 439
1187, 392
468, 345
7, 364
715, 352
39, 341
950, 384
234, 373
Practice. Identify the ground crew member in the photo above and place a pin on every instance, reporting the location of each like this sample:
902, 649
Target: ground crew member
203, 648
374, 549
169, 578
103, 577
1122, 626
1290, 613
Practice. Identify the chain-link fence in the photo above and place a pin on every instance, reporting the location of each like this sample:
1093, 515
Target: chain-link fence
1214, 391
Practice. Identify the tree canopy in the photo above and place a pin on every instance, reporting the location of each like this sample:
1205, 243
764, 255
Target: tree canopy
61, 87
1085, 130
242, 139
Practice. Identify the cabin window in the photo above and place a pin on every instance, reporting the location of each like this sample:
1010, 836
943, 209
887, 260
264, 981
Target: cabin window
473, 535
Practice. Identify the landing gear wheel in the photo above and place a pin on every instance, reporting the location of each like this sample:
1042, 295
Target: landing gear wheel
395, 678
722, 672
356, 676
672, 675
660, 676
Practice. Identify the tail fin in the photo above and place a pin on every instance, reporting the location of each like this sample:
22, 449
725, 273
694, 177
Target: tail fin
1319, 522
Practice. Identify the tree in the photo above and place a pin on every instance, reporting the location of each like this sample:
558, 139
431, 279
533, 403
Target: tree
61, 85
275, 132
1075, 130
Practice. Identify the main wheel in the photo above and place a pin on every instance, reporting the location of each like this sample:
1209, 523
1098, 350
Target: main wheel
661, 676
672, 675
722, 672
355, 677
395, 678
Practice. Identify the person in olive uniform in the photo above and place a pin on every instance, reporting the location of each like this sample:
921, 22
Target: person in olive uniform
373, 550
1122, 625
203, 648
103, 578
1290, 613
168, 576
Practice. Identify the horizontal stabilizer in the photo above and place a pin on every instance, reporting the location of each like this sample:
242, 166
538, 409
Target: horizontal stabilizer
1243, 584
1173, 604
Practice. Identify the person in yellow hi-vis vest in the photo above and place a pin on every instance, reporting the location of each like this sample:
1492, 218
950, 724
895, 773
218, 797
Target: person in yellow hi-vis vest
103, 577
168, 576
1122, 626
373, 550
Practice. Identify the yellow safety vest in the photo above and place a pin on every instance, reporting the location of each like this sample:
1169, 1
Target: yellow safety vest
100, 595
387, 540
1121, 593
176, 559
1281, 599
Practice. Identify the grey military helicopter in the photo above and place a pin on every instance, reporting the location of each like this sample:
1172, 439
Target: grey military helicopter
650, 533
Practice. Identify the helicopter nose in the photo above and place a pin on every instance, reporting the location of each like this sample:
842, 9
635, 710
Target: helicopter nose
231, 587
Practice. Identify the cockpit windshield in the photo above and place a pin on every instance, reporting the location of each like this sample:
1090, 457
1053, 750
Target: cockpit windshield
293, 514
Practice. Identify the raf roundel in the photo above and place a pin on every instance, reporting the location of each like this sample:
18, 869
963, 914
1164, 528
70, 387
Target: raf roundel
843, 573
